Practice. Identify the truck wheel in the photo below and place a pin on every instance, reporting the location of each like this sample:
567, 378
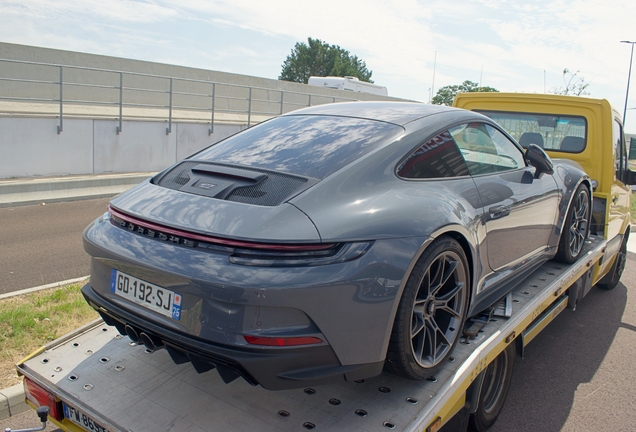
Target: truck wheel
610, 280
576, 227
494, 389
431, 313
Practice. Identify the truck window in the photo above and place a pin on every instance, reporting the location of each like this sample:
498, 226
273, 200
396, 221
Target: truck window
552, 132
485, 149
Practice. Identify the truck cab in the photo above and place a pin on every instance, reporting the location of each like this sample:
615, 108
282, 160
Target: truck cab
585, 130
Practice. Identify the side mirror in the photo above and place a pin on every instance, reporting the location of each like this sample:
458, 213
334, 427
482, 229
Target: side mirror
539, 159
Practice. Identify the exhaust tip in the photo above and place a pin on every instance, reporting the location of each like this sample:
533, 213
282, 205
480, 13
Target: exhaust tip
132, 334
152, 343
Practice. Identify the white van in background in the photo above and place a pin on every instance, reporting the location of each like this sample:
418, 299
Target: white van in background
348, 83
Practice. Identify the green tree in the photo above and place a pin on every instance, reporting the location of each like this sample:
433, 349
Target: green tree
318, 58
446, 94
575, 85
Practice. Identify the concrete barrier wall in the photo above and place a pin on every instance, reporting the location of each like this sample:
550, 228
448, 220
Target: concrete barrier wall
110, 79
88, 144
31, 147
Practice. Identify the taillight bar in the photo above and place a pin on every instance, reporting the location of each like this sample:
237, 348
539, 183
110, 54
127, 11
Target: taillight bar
216, 240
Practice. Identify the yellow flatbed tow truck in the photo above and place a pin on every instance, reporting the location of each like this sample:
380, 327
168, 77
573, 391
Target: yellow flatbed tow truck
93, 379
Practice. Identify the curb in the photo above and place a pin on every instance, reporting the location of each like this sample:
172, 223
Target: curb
12, 401
42, 287
52, 189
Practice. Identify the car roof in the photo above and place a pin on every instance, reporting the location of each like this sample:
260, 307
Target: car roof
399, 113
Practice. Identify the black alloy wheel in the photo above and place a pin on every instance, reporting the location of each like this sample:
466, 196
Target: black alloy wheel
576, 227
432, 311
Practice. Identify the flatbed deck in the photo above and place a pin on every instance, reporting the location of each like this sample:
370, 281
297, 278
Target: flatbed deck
120, 386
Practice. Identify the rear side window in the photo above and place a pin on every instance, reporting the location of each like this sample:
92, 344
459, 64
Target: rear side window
311, 146
436, 158
552, 132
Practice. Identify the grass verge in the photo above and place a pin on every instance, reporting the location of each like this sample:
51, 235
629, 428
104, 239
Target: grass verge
31, 320
634, 208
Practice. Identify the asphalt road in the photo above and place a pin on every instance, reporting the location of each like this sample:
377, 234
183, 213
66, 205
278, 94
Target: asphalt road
42, 244
579, 374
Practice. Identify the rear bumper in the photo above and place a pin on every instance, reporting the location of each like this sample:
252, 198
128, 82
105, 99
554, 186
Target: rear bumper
272, 368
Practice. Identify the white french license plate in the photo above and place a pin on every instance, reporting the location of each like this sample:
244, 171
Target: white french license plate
148, 295
81, 419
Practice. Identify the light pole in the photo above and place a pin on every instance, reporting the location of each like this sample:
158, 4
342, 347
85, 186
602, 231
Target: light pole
629, 76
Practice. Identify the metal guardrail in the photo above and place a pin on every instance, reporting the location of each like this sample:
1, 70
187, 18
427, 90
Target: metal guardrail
145, 91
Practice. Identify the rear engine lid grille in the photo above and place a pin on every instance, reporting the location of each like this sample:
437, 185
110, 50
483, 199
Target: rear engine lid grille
233, 183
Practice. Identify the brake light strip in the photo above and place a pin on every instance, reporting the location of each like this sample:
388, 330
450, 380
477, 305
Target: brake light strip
217, 240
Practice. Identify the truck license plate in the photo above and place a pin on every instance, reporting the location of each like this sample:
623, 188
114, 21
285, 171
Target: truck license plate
81, 419
148, 295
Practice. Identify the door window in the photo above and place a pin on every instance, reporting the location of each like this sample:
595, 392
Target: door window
485, 149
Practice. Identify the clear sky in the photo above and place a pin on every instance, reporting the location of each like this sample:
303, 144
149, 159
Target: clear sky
510, 45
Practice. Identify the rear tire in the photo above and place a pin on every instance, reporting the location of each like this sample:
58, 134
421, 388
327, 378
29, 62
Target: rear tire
431, 313
494, 389
610, 280
576, 227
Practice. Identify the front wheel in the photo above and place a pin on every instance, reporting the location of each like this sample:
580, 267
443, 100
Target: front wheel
494, 389
576, 227
431, 313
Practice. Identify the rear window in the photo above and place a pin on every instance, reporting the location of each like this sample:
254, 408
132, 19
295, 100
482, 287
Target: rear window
552, 132
312, 146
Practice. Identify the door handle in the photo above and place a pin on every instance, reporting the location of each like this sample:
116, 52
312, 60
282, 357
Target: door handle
499, 211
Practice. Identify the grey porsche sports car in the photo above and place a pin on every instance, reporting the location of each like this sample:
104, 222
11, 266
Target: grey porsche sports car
332, 242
